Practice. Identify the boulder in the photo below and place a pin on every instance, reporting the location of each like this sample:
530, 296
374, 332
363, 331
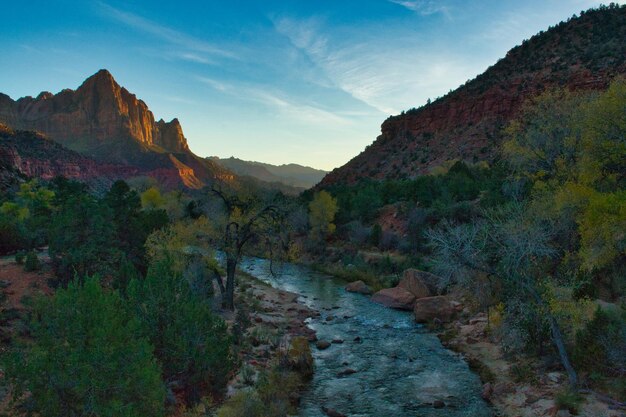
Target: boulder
346, 372
431, 308
359, 287
412, 282
430, 281
332, 412
395, 298
487, 392
322, 344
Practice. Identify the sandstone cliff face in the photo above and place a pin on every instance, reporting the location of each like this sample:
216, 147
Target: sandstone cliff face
30, 154
25, 154
114, 133
98, 117
582, 54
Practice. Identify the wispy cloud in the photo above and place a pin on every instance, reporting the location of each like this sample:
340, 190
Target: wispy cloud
387, 73
423, 7
165, 33
277, 102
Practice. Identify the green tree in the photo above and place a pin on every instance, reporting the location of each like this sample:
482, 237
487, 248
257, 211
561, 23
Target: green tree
191, 343
82, 239
131, 225
322, 211
86, 358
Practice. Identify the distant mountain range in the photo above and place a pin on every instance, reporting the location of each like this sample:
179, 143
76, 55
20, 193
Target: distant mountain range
293, 175
584, 53
106, 124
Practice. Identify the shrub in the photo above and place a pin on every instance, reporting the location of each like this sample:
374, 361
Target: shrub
600, 346
31, 263
20, 257
86, 358
298, 357
523, 372
568, 400
243, 403
191, 343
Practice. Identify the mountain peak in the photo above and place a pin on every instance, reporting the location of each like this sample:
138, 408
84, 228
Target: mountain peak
100, 119
102, 74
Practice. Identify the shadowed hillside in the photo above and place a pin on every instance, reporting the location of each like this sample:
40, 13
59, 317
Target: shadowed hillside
583, 53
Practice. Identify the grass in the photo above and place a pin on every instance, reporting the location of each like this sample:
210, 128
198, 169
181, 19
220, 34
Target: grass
568, 400
375, 282
484, 373
523, 373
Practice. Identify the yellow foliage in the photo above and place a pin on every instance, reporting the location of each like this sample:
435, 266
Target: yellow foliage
176, 240
13, 210
574, 314
32, 192
152, 199
322, 212
603, 229
496, 315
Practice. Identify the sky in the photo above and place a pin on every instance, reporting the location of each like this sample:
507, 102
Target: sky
277, 81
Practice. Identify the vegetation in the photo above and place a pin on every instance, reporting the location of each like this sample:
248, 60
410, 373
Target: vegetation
248, 219
190, 342
273, 394
566, 231
322, 212
87, 358
538, 238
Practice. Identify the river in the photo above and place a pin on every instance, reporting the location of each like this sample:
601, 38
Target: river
401, 368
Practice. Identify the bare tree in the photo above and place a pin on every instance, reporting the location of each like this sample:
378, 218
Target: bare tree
510, 250
248, 219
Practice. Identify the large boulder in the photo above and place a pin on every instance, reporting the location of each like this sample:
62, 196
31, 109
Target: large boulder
359, 287
395, 298
426, 279
430, 308
413, 283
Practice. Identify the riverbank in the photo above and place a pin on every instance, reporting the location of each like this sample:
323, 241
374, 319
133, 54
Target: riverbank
272, 341
515, 386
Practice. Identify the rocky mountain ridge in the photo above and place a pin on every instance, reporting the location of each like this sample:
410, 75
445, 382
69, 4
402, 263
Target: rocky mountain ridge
292, 175
106, 123
584, 53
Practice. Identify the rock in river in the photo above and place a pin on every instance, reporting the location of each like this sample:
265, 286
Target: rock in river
433, 308
332, 413
395, 298
416, 282
322, 344
359, 287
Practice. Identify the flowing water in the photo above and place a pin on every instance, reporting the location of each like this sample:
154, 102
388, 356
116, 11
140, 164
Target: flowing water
402, 369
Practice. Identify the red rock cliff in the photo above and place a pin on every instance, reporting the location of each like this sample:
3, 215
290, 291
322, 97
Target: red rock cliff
96, 118
581, 54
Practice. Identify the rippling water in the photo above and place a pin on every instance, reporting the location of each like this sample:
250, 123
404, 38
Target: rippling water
401, 368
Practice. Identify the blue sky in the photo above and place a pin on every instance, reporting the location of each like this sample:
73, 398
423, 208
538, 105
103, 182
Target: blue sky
276, 81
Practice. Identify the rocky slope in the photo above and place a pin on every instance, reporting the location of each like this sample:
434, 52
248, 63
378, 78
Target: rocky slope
28, 154
105, 122
581, 54
292, 175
